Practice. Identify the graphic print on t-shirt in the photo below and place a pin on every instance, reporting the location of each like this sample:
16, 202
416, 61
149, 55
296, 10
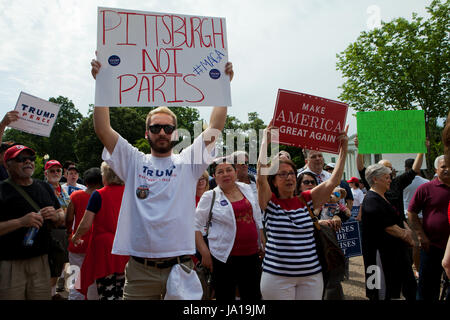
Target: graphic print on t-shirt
142, 191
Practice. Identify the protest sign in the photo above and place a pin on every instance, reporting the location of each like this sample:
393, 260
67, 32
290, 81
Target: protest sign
349, 239
308, 121
355, 211
154, 59
36, 116
391, 132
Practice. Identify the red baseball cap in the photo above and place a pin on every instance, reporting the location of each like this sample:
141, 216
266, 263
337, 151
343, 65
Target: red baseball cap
51, 163
353, 179
14, 151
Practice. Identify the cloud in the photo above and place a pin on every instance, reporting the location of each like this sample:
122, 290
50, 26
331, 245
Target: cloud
47, 46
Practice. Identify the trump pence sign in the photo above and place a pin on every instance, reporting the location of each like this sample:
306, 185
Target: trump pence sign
309, 121
36, 116
154, 59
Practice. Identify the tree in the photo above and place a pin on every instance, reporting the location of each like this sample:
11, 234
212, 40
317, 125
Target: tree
402, 66
126, 121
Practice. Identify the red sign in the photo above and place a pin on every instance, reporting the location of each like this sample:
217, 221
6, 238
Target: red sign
308, 121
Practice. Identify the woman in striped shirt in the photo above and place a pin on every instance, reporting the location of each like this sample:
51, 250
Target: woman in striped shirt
291, 267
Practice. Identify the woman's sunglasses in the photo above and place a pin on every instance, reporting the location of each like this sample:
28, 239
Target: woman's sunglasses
308, 182
156, 128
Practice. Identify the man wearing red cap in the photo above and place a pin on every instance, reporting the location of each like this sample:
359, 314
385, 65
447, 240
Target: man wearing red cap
24, 270
59, 255
358, 196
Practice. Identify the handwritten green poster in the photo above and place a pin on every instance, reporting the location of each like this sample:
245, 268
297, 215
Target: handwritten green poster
391, 131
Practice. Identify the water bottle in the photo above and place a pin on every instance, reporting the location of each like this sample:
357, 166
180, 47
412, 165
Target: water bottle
29, 237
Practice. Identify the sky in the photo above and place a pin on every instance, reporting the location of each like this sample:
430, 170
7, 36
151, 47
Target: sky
47, 46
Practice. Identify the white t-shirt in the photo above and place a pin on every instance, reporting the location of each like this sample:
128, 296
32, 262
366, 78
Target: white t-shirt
358, 197
69, 189
409, 191
156, 218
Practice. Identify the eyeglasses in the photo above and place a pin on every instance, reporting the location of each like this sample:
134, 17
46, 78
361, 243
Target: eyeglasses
23, 159
285, 175
156, 128
308, 182
55, 170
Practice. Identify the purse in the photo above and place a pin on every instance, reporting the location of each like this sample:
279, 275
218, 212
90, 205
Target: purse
203, 273
330, 253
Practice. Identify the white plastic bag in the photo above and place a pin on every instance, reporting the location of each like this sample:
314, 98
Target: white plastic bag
183, 284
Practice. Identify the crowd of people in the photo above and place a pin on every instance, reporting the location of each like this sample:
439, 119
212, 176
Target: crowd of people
128, 223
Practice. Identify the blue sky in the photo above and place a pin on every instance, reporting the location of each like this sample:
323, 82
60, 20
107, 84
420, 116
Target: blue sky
47, 46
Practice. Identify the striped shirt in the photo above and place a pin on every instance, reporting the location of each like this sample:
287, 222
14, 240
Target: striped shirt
290, 248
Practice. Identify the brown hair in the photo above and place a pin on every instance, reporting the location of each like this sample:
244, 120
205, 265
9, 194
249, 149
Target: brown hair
271, 178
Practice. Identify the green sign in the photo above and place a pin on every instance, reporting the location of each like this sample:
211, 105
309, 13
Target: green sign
391, 132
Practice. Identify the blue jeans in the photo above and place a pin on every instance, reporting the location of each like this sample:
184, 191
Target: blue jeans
430, 274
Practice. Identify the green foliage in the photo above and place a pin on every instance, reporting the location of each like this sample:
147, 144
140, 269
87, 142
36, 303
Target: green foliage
401, 66
39, 168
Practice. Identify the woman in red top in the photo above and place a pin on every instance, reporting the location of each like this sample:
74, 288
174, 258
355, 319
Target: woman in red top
100, 266
75, 212
234, 235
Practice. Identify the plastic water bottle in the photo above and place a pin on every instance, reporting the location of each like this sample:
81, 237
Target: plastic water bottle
29, 237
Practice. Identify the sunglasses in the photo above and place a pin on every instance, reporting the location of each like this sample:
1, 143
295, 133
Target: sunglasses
308, 182
23, 159
156, 128
55, 170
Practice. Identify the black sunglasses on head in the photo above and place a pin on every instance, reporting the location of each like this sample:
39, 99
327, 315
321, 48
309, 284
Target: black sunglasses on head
156, 128
23, 159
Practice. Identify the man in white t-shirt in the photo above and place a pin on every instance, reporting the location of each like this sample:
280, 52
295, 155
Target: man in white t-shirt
408, 194
156, 219
72, 175
314, 163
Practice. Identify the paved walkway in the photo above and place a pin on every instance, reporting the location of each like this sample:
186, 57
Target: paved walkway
354, 287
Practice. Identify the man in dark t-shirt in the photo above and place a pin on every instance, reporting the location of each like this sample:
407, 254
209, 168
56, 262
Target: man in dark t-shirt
432, 199
24, 269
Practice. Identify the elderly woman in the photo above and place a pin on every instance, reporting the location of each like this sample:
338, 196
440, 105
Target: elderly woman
291, 266
99, 265
385, 241
202, 186
234, 235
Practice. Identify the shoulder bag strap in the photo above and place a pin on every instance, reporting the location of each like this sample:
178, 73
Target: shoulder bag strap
210, 212
313, 217
24, 194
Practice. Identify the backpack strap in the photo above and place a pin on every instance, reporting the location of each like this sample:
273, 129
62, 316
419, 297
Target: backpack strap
313, 217
210, 212
24, 194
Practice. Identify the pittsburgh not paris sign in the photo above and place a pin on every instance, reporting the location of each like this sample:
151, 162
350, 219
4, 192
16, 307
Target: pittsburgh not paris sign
309, 121
154, 59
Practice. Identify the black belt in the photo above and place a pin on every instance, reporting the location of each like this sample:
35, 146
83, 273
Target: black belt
162, 264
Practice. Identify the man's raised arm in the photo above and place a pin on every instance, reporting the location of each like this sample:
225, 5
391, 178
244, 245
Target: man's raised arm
102, 125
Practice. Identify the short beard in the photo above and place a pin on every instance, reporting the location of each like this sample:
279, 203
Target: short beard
153, 146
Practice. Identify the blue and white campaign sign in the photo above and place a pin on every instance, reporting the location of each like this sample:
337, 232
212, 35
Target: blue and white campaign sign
36, 116
349, 239
161, 59
355, 211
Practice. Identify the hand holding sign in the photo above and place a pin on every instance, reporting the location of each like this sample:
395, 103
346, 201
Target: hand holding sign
343, 138
9, 117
